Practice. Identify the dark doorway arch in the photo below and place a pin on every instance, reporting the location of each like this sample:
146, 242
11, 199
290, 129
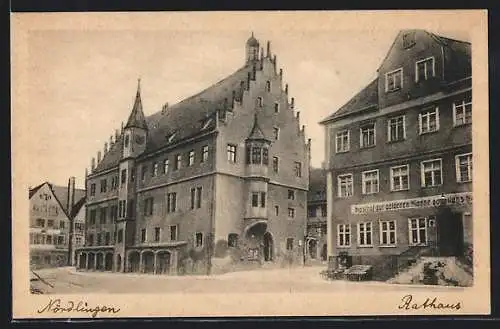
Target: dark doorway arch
83, 261
148, 261
133, 261
108, 262
91, 261
163, 262
268, 247
118, 263
100, 261
312, 248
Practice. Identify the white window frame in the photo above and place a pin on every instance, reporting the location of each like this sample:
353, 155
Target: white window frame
338, 185
191, 158
422, 172
374, 135
204, 153
388, 232
344, 233
389, 128
461, 105
230, 155
166, 164
345, 148
425, 60
363, 181
426, 227
457, 167
159, 235
420, 121
276, 170
365, 234
176, 232
391, 174
400, 70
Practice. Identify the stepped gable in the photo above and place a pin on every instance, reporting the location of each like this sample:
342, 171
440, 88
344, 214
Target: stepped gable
366, 99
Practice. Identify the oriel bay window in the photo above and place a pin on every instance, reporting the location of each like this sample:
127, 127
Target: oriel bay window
257, 154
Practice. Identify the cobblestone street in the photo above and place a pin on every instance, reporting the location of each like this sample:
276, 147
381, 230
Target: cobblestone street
296, 280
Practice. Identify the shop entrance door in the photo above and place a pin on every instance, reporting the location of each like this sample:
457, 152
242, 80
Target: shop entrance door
451, 234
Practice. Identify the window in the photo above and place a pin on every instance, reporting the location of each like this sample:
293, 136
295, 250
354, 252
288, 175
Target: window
191, 158
126, 141
263, 199
289, 244
255, 199
114, 183
394, 80
417, 230
343, 235
173, 232
92, 189
342, 142
120, 235
265, 156
198, 197
276, 133
60, 239
124, 176
424, 69
148, 206
143, 235
104, 185
298, 169
198, 240
178, 162
103, 212
256, 155
157, 234
276, 107
396, 129
144, 172
99, 239
231, 153
172, 202
370, 182
50, 223
260, 102
367, 135
204, 153
232, 240
107, 239
165, 166
155, 170
311, 211
276, 210
40, 222
431, 173
62, 225
268, 86
291, 195
48, 239
345, 187
365, 234
462, 113
428, 120
388, 233
463, 165
275, 164
291, 212
93, 215
193, 197
408, 40
400, 179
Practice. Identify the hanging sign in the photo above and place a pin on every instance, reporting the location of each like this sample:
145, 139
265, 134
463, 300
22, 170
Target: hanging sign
463, 198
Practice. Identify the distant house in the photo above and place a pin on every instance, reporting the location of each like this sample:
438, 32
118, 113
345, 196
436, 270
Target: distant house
52, 209
316, 216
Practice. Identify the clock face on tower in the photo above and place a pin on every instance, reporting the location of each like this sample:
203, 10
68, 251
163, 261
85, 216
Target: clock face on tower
139, 139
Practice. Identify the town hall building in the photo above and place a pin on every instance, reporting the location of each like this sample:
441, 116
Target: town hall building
211, 184
399, 158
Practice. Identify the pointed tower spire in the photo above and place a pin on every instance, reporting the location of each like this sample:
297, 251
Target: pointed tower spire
136, 118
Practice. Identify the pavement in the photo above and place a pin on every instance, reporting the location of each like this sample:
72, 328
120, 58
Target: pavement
66, 280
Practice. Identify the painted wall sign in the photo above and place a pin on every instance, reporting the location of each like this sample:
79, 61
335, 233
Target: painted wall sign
463, 198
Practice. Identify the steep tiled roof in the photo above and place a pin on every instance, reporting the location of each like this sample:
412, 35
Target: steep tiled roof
366, 99
136, 118
317, 185
184, 119
61, 194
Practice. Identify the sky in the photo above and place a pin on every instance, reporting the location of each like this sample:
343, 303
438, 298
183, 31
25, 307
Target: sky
82, 82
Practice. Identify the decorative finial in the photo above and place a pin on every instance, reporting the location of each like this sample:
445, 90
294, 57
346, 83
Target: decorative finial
139, 85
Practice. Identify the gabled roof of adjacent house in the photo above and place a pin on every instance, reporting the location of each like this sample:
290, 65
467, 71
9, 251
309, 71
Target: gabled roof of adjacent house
317, 185
367, 98
61, 195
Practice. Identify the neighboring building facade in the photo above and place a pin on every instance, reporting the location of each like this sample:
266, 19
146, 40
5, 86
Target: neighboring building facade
316, 216
214, 182
399, 157
51, 207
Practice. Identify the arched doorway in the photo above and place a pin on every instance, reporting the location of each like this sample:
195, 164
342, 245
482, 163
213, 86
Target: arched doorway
100, 261
254, 241
163, 262
148, 261
324, 252
118, 263
83, 261
133, 261
312, 248
108, 262
91, 261
268, 247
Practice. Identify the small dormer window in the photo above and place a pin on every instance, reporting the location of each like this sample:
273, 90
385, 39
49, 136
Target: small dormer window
408, 40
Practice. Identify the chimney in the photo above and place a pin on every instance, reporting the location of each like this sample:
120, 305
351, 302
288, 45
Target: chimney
71, 194
105, 147
92, 164
98, 156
